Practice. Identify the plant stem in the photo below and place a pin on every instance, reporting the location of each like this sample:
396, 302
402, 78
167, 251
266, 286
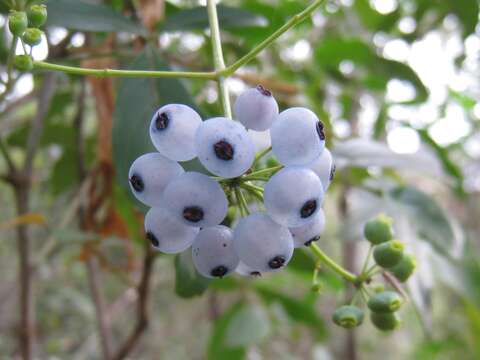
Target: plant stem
251, 187
218, 58
367, 259
260, 155
123, 73
265, 43
347, 275
262, 172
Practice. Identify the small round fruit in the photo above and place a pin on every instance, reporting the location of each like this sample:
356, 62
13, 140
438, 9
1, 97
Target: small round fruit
245, 270
32, 36
293, 196
37, 15
224, 147
23, 63
167, 234
17, 22
385, 321
388, 254
172, 131
348, 316
196, 200
262, 244
405, 268
256, 108
298, 137
213, 253
305, 234
379, 229
385, 301
149, 175
324, 167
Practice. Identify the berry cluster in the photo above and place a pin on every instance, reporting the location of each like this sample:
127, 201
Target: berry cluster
389, 258
26, 27
187, 208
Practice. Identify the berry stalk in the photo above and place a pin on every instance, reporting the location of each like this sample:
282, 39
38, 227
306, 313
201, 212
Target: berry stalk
347, 275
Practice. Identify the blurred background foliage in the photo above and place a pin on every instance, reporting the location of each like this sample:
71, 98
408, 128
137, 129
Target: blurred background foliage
396, 83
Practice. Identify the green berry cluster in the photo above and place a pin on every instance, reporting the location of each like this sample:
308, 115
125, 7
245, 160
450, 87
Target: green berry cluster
26, 27
389, 258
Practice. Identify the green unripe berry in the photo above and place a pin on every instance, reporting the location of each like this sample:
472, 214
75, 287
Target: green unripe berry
379, 229
385, 321
405, 268
37, 15
348, 316
316, 288
32, 36
23, 63
384, 302
271, 162
17, 22
388, 254
378, 287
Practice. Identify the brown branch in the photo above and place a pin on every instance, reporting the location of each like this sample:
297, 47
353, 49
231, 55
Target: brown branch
143, 291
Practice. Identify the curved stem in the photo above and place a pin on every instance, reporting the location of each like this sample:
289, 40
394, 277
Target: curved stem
265, 43
260, 155
123, 73
218, 58
347, 275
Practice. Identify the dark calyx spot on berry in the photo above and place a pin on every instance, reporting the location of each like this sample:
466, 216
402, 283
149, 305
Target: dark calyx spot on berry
309, 242
264, 91
332, 171
277, 262
223, 150
320, 132
153, 239
137, 183
193, 213
308, 208
219, 271
256, 273
161, 121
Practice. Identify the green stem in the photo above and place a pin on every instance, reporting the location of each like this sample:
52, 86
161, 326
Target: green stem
239, 202
367, 259
265, 43
260, 155
243, 201
123, 73
347, 275
255, 178
251, 187
218, 58
262, 172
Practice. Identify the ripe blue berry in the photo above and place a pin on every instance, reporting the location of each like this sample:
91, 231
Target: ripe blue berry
213, 253
324, 167
293, 196
262, 244
256, 108
298, 137
196, 200
305, 234
167, 234
149, 175
173, 129
224, 147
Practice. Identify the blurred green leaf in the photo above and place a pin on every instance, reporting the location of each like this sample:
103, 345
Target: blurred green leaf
467, 12
197, 19
427, 217
188, 282
374, 20
85, 16
249, 325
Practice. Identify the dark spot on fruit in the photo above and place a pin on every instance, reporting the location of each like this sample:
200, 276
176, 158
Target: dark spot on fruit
309, 242
277, 262
161, 121
332, 171
223, 150
137, 183
219, 271
153, 239
320, 132
308, 208
256, 273
224, 245
193, 213
264, 91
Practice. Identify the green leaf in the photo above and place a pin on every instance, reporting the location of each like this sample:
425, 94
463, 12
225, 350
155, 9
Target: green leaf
137, 100
84, 16
249, 325
427, 217
216, 344
374, 20
197, 19
188, 283
467, 12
